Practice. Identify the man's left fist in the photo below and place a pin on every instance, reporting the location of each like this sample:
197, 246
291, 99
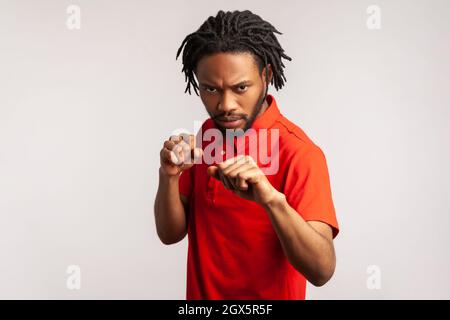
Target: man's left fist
242, 175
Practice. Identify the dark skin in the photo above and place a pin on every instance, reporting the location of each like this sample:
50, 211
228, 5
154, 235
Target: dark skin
232, 86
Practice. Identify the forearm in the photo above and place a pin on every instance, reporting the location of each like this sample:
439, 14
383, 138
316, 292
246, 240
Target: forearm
306, 249
170, 216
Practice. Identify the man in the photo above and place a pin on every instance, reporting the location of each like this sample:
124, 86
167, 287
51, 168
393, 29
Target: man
253, 234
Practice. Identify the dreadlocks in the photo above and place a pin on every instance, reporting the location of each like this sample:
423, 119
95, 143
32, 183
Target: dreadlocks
237, 31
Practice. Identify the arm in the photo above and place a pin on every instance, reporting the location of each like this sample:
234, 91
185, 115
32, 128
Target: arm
307, 245
170, 206
170, 210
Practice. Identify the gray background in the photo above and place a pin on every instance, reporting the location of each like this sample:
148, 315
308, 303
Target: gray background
84, 113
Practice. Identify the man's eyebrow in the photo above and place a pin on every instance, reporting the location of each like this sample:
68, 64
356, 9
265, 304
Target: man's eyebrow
241, 83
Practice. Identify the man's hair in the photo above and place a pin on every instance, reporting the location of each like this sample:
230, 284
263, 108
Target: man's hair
237, 31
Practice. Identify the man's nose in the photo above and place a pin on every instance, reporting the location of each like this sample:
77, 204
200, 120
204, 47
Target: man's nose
227, 104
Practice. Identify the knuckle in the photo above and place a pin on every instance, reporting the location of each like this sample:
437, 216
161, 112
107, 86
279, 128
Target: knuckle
184, 137
232, 175
168, 144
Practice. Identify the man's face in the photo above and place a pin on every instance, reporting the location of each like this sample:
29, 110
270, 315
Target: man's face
231, 88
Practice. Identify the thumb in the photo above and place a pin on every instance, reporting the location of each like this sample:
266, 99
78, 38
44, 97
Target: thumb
213, 171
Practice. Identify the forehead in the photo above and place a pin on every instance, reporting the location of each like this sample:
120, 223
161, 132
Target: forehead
227, 66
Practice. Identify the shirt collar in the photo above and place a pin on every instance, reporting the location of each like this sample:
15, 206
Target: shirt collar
270, 115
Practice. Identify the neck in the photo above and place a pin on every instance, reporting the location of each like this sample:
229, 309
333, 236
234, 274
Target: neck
265, 105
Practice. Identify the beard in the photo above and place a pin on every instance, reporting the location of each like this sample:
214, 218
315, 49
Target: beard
248, 119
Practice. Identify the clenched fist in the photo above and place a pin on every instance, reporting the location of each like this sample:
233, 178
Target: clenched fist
179, 154
242, 176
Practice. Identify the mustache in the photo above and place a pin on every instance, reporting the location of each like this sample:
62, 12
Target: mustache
231, 117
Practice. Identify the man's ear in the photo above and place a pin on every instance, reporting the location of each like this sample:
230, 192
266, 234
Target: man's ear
268, 69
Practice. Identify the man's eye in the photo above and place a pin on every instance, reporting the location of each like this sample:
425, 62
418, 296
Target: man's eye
242, 88
210, 89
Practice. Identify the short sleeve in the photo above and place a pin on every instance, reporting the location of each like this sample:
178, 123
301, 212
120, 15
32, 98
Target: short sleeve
185, 184
307, 187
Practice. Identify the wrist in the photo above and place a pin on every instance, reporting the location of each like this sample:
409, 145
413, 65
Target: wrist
278, 199
163, 175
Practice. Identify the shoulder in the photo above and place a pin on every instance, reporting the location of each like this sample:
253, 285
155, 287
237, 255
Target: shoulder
295, 144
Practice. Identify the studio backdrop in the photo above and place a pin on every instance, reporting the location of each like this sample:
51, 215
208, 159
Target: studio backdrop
89, 91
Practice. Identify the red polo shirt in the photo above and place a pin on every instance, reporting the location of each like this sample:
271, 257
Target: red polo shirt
233, 250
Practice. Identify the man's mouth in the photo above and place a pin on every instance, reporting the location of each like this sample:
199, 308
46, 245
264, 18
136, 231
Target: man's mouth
230, 122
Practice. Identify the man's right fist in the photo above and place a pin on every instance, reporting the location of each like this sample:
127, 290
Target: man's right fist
179, 154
